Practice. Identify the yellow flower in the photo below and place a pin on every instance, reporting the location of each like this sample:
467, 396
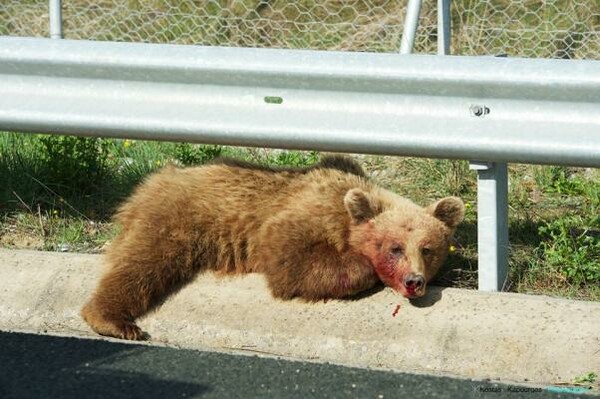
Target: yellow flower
157, 162
55, 212
452, 248
468, 205
127, 143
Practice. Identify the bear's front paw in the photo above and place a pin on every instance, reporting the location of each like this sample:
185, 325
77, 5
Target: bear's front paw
112, 326
131, 331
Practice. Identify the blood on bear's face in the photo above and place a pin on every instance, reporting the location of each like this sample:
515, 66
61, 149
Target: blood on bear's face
405, 243
407, 258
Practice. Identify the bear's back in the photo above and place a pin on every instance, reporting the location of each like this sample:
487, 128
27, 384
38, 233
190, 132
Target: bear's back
221, 195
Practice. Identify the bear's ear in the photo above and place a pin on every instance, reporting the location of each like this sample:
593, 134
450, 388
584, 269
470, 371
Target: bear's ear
450, 210
360, 205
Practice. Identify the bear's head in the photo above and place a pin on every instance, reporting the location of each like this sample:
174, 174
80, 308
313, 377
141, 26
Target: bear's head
405, 243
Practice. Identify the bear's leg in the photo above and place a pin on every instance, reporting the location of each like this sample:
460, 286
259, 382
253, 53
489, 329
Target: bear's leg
132, 287
117, 302
317, 274
304, 258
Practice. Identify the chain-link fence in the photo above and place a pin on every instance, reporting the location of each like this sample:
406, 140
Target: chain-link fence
526, 28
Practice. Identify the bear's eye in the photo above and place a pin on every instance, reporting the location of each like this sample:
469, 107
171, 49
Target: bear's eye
396, 250
426, 251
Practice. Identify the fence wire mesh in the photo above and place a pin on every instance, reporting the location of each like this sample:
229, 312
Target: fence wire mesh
525, 28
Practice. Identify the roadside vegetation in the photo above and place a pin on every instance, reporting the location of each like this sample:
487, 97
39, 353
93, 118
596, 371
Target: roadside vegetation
58, 193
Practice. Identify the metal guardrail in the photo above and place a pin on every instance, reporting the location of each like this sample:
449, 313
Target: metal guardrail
493, 109
496, 110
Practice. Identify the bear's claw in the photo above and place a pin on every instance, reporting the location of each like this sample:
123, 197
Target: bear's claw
132, 332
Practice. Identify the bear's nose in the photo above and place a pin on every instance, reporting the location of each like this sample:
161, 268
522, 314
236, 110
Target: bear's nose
414, 281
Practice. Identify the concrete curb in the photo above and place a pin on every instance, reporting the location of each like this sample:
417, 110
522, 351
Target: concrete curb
500, 336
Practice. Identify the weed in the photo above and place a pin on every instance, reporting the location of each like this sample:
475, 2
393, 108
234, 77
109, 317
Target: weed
572, 246
189, 154
559, 179
587, 378
74, 162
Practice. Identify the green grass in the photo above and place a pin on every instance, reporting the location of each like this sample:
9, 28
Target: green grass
58, 193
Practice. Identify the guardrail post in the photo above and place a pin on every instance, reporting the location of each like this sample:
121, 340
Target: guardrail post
492, 224
411, 22
443, 17
55, 12
492, 195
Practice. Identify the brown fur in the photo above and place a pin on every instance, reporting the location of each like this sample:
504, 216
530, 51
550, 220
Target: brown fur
318, 233
338, 162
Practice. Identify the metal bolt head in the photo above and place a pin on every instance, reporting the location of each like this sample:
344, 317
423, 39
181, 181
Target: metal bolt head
479, 110
476, 110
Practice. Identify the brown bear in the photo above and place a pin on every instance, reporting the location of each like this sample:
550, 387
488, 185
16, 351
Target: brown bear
316, 233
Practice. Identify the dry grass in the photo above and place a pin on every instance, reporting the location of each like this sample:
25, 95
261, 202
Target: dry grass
549, 29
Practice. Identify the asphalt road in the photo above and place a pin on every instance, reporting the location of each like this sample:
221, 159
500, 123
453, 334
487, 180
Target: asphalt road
42, 366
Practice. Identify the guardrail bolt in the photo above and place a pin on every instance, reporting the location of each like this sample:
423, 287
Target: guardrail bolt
479, 110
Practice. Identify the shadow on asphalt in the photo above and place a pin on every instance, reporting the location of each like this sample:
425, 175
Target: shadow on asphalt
38, 366
33, 366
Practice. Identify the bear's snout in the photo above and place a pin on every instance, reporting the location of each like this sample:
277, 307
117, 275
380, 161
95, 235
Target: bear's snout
414, 284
